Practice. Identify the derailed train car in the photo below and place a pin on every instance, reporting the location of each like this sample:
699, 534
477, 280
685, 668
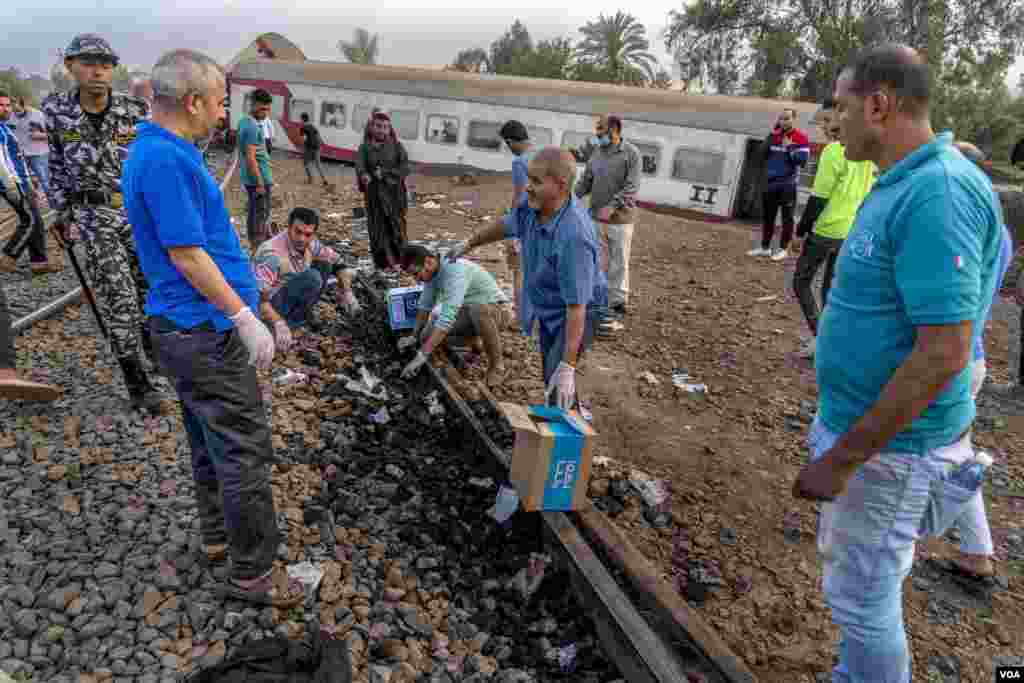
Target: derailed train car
700, 152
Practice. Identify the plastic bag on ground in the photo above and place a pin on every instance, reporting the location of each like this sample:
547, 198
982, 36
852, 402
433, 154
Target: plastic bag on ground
653, 491
308, 574
505, 505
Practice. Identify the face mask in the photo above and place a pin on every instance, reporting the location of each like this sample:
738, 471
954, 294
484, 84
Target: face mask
602, 141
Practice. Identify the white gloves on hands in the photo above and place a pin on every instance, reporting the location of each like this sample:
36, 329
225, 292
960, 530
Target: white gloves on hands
414, 365
283, 336
563, 384
406, 342
256, 337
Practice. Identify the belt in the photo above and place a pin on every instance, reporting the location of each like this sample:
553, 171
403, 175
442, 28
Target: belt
114, 200
164, 324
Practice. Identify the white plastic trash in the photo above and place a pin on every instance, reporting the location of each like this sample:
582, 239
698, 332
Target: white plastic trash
308, 574
505, 505
653, 491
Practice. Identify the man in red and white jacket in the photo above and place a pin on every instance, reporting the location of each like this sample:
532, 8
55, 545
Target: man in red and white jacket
786, 149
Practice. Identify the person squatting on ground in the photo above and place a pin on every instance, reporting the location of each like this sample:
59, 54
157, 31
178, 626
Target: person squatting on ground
202, 302
382, 165
562, 279
311, 142
13, 387
472, 306
913, 285
90, 130
839, 188
17, 190
293, 270
29, 127
254, 168
612, 179
517, 138
786, 150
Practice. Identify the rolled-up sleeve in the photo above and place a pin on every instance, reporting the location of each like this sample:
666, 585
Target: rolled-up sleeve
454, 282
512, 222
577, 268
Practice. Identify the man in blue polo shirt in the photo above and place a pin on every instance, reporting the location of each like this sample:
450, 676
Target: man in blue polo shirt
913, 282
202, 298
562, 281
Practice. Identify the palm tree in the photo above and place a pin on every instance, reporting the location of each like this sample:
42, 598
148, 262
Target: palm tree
618, 46
364, 48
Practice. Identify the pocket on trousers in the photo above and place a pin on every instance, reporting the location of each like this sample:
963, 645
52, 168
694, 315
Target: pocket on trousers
878, 496
946, 500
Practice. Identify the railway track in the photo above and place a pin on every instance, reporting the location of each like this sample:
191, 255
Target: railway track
645, 627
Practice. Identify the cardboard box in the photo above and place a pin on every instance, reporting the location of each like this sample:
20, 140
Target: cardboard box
403, 304
551, 460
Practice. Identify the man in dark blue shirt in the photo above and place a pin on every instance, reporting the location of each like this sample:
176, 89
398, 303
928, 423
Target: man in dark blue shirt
202, 297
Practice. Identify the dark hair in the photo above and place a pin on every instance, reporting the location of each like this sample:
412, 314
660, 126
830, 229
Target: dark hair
305, 117
415, 255
899, 68
829, 103
515, 131
303, 215
261, 96
4, 93
615, 122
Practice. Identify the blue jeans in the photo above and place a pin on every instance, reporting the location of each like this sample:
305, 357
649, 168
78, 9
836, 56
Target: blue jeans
257, 222
294, 300
40, 165
866, 538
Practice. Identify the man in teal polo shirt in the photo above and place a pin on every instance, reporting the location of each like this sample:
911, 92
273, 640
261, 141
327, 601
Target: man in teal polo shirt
913, 282
254, 167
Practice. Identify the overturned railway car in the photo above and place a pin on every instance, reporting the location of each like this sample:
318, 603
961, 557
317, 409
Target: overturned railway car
700, 152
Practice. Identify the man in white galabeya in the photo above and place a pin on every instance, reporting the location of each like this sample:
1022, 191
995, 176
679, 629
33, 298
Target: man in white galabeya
891, 453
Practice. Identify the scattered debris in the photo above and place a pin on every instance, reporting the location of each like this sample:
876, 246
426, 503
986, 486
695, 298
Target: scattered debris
308, 575
505, 505
653, 491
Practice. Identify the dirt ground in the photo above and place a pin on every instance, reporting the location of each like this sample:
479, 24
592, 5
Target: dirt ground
700, 305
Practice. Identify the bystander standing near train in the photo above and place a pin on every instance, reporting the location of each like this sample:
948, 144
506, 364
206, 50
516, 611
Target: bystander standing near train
913, 285
517, 138
202, 304
562, 279
254, 168
382, 165
786, 150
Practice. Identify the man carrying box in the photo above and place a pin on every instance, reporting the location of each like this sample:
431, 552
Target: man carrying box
472, 305
561, 278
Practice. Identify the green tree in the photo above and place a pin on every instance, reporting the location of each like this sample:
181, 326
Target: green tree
15, 84
514, 44
550, 59
364, 48
473, 60
618, 46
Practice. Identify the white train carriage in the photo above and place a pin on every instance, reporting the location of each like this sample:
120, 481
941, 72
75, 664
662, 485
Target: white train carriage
698, 150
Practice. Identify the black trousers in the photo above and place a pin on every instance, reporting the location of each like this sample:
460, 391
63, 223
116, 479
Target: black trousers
31, 233
784, 200
228, 433
6, 335
817, 250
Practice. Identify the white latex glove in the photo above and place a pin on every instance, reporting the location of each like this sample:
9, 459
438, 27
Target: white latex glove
458, 251
350, 302
414, 365
563, 383
256, 337
283, 336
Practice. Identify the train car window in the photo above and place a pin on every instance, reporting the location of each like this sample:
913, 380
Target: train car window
442, 129
406, 123
650, 157
574, 141
698, 166
484, 135
540, 137
300, 107
360, 115
332, 115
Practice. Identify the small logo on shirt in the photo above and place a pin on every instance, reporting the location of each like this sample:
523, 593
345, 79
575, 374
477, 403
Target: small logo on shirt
863, 244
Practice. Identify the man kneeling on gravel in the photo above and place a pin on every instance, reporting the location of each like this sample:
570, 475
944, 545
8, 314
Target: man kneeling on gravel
472, 305
202, 294
293, 270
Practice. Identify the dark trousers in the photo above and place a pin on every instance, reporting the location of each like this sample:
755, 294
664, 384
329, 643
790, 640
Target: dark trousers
817, 250
552, 348
297, 296
257, 222
6, 335
775, 200
31, 233
1020, 368
228, 432
309, 158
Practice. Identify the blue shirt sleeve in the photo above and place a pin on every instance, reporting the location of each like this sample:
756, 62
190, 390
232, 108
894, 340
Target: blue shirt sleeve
520, 174
170, 193
249, 134
938, 253
577, 268
513, 220
454, 282
427, 296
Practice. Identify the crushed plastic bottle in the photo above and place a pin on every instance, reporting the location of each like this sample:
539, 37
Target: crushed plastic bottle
970, 474
289, 377
505, 505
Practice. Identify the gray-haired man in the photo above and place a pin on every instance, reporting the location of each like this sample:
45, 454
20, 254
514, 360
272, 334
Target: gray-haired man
205, 331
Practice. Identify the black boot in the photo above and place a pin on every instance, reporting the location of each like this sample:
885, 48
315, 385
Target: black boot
143, 395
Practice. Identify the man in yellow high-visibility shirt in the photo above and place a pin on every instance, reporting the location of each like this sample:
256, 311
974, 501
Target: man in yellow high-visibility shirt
839, 188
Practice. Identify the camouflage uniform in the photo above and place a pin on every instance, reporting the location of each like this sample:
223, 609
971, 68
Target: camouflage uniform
84, 159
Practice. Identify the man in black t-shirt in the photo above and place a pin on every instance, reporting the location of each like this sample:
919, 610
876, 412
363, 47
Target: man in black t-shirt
311, 149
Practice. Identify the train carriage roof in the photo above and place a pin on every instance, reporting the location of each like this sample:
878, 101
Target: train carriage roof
743, 115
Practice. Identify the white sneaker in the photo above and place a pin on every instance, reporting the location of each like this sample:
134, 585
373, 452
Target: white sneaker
807, 348
759, 251
779, 254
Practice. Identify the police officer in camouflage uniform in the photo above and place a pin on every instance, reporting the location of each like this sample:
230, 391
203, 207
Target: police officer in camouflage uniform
90, 129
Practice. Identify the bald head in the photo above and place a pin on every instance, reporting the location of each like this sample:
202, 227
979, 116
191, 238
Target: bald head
970, 151
897, 69
141, 87
557, 163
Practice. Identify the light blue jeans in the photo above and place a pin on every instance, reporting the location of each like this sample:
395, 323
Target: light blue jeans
866, 539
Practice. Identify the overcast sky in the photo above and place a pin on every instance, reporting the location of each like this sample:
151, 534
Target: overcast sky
410, 34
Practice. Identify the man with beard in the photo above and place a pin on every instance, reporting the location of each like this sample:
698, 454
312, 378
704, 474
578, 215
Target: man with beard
786, 149
382, 165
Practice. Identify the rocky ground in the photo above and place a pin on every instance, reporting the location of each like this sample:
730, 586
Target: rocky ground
729, 534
